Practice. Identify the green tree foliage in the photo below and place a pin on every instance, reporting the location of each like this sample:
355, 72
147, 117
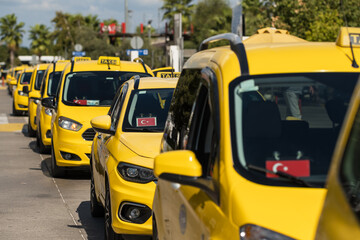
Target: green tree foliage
314, 20
11, 33
211, 17
40, 39
171, 7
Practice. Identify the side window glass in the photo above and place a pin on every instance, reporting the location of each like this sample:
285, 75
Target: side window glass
115, 115
350, 167
43, 83
202, 135
180, 109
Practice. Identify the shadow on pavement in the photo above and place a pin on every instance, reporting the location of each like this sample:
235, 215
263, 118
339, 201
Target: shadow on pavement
94, 227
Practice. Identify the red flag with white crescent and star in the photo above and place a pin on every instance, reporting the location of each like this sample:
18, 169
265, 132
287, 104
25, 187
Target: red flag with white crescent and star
298, 168
146, 122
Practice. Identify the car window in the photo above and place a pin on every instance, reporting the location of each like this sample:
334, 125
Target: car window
25, 78
53, 82
95, 88
38, 79
115, 113
288, 123
147, 110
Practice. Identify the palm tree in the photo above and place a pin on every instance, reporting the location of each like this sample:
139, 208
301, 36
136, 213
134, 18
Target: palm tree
64, 33
11, 33
171, 7
41, 42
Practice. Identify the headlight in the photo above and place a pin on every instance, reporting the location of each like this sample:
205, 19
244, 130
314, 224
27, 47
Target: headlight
49, 112
254, 232
69, 124
134, 173
36, 101
21, 93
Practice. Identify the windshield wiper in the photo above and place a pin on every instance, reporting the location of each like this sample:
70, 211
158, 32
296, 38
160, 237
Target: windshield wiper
281, 174
142, 130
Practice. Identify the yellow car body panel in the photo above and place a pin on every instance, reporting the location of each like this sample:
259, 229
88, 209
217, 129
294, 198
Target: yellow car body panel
130, 148
21, 99
34, 95
43, 115
64, 140
338, 219
185, 211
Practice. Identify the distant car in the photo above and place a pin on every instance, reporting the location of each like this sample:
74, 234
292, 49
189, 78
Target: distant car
242, 157
128, 139
48, 88
12, 80
34, 96
165, 72
21, 97
86, 90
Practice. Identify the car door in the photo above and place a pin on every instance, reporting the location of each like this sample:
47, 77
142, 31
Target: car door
340, 217
102, 138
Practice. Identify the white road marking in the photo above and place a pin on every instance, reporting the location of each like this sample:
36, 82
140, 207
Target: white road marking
66, 205
3, 118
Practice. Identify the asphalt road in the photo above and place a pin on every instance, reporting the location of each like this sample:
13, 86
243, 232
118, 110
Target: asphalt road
33, 205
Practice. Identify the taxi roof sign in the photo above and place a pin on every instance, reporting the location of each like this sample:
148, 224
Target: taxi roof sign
80, 59
109, 60
347, 35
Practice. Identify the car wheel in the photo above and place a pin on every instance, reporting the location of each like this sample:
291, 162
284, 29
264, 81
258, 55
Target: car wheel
31, 132
109, 232
14, 111
154, 227
56, 171
40, 143
96, 208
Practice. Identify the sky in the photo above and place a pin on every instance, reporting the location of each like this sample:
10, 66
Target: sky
33, 12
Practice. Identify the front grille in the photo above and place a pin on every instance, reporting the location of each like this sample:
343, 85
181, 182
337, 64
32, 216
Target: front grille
89, 134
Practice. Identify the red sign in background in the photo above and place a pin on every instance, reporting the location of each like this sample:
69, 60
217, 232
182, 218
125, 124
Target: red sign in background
298, 168
146, 122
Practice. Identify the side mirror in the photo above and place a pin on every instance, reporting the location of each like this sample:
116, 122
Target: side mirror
25, 89
177, 166
102, 124
48, 102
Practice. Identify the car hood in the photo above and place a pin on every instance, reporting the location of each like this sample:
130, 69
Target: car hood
83, 115
143, 144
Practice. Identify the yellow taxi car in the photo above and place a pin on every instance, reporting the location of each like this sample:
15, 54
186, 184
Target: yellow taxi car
128, 139
48, 88
33, 91
86, 90
249, 138
340, 217
21, 97
166, 72
12, 82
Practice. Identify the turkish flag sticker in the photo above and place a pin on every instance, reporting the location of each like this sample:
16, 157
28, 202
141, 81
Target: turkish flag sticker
146, 122
80, 101
297, 168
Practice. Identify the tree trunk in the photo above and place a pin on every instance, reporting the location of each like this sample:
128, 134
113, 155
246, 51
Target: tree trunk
12, 58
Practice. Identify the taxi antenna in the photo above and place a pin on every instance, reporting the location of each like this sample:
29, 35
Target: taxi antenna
354, 63
108, 63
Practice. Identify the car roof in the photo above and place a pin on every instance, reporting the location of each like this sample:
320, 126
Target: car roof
153, 83
270, 57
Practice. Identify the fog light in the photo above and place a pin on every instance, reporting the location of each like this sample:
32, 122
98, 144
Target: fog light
134, 213
69, 156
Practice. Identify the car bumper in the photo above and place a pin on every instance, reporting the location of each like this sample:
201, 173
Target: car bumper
124, 193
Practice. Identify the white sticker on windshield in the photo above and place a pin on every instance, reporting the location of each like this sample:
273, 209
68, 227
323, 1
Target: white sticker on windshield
142, 92
93, 102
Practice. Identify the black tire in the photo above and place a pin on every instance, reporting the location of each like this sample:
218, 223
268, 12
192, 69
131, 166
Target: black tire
31, 132
155, 235
96, 208
109, 232
14, 111
40, 143
56, 171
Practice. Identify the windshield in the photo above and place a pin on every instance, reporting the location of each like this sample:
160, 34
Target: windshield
94, 88
38, 79
288, 123
54, 79
25, 78
147, 110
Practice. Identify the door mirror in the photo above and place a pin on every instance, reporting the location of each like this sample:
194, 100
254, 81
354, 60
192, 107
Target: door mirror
177, 165
48, 102
25, 89
102, 124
